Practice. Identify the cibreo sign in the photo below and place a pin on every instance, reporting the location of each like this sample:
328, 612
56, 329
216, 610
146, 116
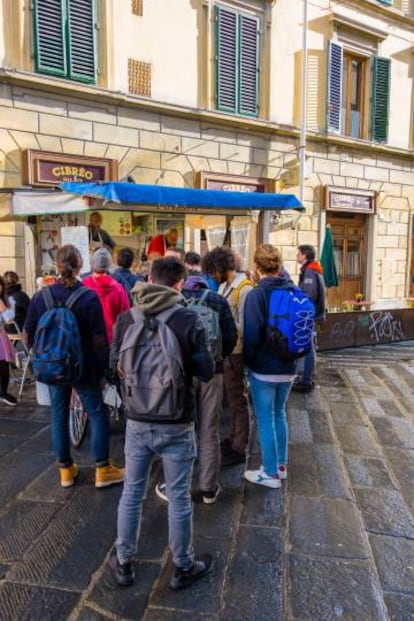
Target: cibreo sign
42, 168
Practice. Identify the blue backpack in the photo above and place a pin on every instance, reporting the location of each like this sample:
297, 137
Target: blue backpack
57, 348
291, 323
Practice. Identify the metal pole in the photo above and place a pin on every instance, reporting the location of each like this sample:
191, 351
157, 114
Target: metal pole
302, 145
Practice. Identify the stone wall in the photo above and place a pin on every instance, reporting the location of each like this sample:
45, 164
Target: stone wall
162, 149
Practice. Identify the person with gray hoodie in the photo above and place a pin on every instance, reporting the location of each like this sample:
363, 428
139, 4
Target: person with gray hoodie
171, 436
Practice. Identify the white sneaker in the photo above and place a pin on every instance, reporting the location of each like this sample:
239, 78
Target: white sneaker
161, 491
261, 478
282, 472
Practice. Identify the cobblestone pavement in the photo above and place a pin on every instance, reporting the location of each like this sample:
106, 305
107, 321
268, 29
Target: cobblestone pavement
336, 543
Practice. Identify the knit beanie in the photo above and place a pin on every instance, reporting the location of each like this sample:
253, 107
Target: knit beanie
101, 260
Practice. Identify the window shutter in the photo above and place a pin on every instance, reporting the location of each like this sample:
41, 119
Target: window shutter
380, 98
335, 67
50, 55
249, 65
226, 60
81, 38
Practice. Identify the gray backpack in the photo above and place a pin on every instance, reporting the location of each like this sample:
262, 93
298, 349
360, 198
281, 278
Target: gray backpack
211, 323
153, 386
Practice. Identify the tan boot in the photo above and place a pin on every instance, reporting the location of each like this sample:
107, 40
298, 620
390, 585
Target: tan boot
108, 475
68, 475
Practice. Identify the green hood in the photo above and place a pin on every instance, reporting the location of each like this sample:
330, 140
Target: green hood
153, 299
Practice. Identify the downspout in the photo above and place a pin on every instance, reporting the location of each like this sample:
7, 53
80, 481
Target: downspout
302, 144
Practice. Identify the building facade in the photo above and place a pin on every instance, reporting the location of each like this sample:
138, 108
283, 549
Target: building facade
214, 87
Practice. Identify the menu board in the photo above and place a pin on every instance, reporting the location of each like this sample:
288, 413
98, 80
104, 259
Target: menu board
78, 236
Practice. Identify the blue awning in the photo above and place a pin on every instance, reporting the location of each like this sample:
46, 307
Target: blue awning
158, 195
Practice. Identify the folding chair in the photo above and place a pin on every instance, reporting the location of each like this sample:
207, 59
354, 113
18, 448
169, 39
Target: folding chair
23, 360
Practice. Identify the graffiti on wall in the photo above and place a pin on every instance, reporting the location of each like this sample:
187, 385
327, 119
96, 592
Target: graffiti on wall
383, 326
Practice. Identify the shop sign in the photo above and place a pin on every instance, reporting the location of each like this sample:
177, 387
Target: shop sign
41, 168
233, 183
344, 199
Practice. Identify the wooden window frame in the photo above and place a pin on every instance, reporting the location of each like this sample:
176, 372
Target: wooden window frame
347, 79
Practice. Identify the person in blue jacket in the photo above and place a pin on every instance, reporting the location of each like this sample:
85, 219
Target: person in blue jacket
270, 379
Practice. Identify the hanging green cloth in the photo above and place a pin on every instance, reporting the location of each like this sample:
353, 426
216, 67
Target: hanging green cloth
328, 260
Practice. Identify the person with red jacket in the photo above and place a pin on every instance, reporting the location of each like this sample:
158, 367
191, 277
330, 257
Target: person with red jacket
160, 243
312, 283
112, 295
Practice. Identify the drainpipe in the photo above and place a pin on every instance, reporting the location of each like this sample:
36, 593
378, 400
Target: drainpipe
302, 144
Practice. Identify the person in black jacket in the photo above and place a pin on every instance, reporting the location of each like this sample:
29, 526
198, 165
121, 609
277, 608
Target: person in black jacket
89, 315
173, 440
14, 290
270, 378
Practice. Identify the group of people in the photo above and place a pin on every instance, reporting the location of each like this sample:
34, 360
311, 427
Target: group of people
194, 331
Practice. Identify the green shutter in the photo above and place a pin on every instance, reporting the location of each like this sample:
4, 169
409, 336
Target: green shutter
381, 76
249, 65
65, 38
237, 62
49, 36
226, 60
335, 70
81, 40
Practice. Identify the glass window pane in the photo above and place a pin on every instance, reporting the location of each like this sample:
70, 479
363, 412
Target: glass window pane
353, 259
338, 245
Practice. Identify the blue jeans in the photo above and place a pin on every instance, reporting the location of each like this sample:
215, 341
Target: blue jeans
91, 397
269, 405
309, 362
176, 445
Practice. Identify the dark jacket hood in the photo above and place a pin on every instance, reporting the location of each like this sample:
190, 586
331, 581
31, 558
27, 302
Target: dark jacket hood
13, 289
193, 283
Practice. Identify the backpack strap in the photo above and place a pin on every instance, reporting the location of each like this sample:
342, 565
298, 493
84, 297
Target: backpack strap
203, 297
74, 297
239, 287
48, 298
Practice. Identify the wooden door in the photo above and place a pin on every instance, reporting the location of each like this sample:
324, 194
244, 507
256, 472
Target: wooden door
348, 232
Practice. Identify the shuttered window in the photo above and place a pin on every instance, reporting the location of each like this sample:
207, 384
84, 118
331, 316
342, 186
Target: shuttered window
380, 98
237, 62
336, 61
347, 84
65, 38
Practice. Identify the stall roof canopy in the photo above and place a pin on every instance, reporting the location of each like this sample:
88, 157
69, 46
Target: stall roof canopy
137, 194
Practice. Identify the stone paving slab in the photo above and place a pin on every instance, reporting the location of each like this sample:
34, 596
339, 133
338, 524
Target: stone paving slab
326, 527
21, 468
394, 557
357, 439
128, 603
254, 581
397, 432
368, 472
344, 413
316, 470
402, 464
20, 525
327, 589
75, 543
88, 614
206, 592
400, 607
29, 603
385, 512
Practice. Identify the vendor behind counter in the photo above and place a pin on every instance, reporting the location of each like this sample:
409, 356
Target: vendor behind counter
98, 238
160, 243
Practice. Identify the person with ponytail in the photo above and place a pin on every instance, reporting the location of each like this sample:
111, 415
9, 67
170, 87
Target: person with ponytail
88, 312
7, 352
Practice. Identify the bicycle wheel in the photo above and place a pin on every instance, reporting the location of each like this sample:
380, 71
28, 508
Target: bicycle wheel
78, 420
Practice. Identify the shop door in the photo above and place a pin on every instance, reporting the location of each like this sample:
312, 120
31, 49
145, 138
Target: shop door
348, 232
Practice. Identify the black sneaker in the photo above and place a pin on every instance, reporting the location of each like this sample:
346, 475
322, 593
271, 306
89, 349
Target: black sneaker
232, 458
303, 387
8, 398
182, 579
209, 498
124, 574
